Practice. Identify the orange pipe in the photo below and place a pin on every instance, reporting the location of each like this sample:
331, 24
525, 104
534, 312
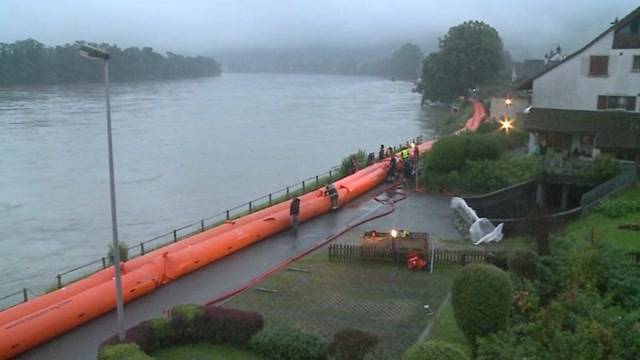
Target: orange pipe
27, 325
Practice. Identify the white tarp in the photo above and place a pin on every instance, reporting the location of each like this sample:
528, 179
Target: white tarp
481, 230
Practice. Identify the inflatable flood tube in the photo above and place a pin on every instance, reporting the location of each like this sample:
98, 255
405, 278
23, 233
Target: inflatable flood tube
232, 224
102, 276
32, 323
40, 326
61, 315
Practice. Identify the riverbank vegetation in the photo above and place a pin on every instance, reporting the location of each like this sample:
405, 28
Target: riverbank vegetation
475, 163
446, 119
29, 62
580, 300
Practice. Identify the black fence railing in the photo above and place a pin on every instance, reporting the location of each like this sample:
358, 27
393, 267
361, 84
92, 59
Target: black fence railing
179, 233
182, 232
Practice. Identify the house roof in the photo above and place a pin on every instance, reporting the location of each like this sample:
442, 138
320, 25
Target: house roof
613, 129
528, 83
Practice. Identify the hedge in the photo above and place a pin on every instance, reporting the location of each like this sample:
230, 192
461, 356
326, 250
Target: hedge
288, 344
481, 296
126, 351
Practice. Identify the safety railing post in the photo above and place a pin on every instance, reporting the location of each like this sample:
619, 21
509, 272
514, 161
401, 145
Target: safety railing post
317, 180
287, 192
250, 207
141, 248
269, 199
175, 235
25, 296
227, 214
59, 277
330, 176
104, 263
303, 186
202, 225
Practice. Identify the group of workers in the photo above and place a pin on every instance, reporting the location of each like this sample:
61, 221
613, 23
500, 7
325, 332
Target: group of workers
408, 159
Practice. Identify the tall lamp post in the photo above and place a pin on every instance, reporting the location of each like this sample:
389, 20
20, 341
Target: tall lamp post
94, 53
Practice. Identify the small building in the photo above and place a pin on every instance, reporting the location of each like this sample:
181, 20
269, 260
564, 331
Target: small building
588, 103
509, 103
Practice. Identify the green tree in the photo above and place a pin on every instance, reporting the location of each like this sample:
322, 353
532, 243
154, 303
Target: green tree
470, 55
405, 62
481, 298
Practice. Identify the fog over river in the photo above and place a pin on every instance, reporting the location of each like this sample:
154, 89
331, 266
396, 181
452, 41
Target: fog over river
184, 150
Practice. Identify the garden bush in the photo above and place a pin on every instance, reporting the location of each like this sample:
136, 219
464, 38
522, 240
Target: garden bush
447, 154
187, 323
163, 332
124, 252
345, 165
481, 296
488, 127
289, 344
230, 326
126, 351
434, 350
352, 344
615, 208
523, 263
602, 168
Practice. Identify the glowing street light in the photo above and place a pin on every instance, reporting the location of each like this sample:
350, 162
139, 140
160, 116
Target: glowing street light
507, 101
394, 233
506, 125
94, 53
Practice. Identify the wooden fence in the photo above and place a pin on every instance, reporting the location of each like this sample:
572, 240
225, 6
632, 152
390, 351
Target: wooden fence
342, 252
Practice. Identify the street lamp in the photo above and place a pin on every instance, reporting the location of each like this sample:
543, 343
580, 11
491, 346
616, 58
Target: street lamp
94, 53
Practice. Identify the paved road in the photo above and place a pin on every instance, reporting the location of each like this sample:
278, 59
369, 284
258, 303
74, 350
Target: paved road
419, 212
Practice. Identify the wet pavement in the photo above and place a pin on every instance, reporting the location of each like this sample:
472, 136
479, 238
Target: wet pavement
418, 212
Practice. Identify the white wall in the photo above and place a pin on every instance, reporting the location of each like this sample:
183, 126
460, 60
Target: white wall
568, 86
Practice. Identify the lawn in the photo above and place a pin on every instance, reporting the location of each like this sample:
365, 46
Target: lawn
513, 243
445, 329
374, 296
204, 351
606, 228
444, 122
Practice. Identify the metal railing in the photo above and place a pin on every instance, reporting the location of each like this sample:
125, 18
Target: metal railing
185, 231
626, 178
179, 233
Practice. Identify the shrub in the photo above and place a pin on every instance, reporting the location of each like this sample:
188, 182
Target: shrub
351, 344
124, 252
143, 336
523, 263
163, 332
482, 146
345, 165
186, 322
481, 298
125, 351
615, 208
447, 154
289, 344
434, 350
488, 127
230, 326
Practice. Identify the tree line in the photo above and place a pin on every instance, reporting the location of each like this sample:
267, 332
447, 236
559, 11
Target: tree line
29, 62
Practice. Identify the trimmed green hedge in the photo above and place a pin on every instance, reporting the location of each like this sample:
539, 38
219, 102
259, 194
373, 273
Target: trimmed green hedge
289, 344
126, 351
435, 350
481, 296
452, 152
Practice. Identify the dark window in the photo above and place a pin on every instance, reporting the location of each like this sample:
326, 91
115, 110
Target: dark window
636, 63
617, 102
598, 65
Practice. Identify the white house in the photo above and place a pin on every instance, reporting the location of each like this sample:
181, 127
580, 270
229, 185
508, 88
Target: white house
588, 103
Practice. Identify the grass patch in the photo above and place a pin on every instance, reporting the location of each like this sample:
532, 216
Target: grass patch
445, 329
513, 243
378, 297
204, 351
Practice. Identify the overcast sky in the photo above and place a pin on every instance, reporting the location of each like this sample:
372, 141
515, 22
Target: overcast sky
202, 27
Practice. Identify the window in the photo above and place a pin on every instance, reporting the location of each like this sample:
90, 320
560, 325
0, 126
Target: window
617, 103
599, 65
636, 63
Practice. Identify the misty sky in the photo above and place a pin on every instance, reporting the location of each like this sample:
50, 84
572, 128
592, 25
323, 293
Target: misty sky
205, 27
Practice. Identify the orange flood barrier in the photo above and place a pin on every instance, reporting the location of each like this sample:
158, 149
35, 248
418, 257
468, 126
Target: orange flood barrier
34, 322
